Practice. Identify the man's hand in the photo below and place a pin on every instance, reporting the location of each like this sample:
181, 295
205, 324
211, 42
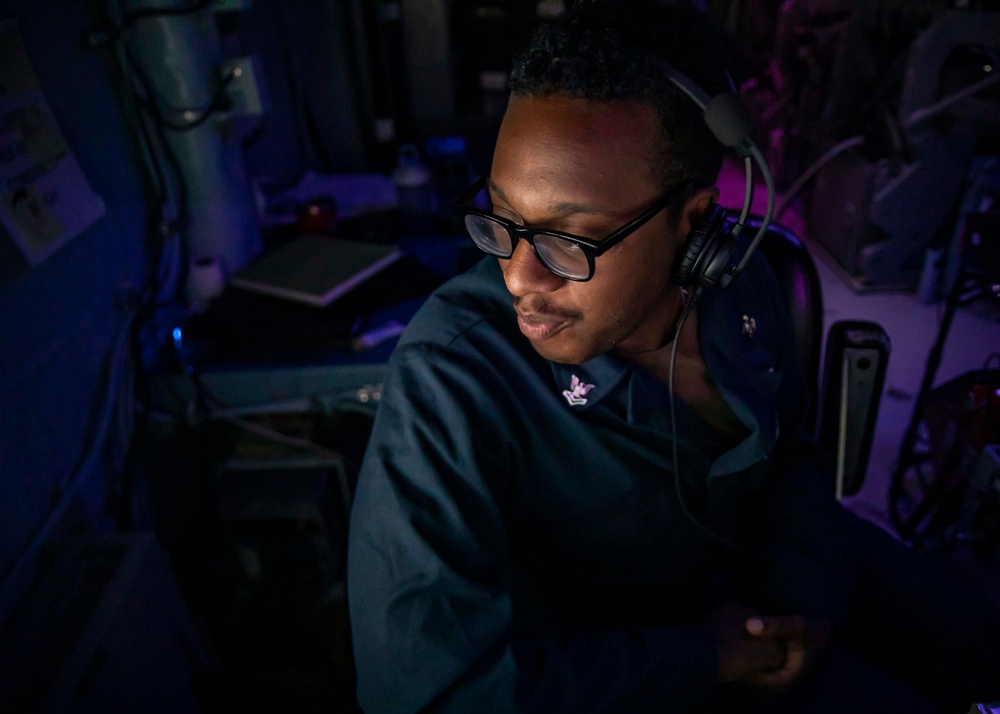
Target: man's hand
805, 640
742, 656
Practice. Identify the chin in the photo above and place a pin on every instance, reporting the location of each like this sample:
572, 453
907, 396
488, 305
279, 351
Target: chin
566, 352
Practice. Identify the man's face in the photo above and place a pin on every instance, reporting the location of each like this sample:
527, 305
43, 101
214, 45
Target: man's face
586, 168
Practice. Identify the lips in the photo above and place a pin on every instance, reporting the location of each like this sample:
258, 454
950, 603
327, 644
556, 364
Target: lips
540, 326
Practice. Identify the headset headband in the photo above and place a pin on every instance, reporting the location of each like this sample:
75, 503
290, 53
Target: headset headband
730, 123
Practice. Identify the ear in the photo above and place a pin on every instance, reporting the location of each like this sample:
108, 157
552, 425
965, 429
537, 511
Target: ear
705, 253
694, 210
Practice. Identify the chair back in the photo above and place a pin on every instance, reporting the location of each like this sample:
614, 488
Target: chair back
846, 397
796, 273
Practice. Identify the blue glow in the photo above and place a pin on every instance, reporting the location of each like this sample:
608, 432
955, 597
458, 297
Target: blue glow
177, 334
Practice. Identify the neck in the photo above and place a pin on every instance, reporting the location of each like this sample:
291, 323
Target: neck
655, 343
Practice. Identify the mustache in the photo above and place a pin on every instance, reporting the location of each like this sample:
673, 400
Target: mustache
537, 305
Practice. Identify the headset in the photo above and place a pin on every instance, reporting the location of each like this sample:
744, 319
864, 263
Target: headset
708, 258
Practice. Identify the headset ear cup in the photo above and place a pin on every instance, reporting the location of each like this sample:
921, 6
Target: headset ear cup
699, 248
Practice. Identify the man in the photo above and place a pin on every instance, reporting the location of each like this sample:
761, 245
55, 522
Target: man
532, 530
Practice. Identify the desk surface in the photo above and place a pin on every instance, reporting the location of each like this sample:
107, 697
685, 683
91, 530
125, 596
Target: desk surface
249, 350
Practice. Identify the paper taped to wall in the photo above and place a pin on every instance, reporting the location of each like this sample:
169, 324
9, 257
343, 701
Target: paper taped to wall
45, 199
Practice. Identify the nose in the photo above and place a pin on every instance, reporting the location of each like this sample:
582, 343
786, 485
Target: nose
524, 273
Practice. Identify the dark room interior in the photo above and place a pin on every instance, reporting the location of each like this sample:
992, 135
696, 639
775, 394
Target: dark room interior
219, 215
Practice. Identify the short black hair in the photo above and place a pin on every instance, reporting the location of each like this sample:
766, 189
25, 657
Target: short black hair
608, 50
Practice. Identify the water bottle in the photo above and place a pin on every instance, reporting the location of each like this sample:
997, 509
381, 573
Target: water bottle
449, 162
415, 189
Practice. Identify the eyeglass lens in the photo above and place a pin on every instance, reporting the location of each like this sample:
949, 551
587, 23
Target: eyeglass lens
489, 235
559, 255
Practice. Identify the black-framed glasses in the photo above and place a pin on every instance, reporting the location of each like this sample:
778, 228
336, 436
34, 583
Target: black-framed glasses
568, 256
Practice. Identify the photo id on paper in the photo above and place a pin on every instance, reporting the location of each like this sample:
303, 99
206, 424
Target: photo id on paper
45, 199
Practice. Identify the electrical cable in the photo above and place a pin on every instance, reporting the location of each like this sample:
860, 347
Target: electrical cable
925, 113
172, 196
335, 459
747, 192
219, 411
114, 37
687, 308
17, 578
768, 211
277, 436
163, 270
216, 104
172, 201
134, 114
133, 15
114, 34
804, 178
732, 127
363, 401
149, 103
918, 116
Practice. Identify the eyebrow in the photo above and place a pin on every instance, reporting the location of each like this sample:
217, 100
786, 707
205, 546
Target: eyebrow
561, 208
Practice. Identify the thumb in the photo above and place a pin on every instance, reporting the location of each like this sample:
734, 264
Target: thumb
755, 626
